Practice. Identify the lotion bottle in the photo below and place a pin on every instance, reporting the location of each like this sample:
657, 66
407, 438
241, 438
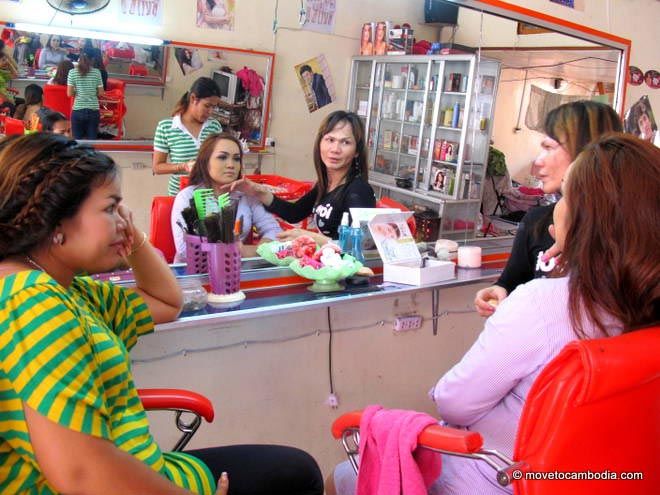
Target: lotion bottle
356, 241
344, 233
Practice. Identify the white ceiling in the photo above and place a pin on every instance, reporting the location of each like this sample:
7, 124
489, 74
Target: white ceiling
573, 65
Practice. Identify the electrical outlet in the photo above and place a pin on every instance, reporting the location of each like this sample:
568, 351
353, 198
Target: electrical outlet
408, 322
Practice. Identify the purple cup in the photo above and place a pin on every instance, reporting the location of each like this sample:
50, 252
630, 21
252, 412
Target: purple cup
196, 258
224, 261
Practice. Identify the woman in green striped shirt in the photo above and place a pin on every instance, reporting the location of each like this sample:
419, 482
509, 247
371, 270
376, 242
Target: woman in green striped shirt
70, 417
181, 135
85, 85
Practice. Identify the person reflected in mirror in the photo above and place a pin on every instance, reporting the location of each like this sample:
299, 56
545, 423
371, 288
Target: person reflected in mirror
178, 138
95, 55
606, 283
340, 160
568, 129
34, 100
317, 84
62, 73
55, 122
67, 337
8, 71
85, 85
380, 42
218, 164
53, 53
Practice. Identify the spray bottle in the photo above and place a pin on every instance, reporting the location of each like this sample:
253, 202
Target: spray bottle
356, 241
344, 232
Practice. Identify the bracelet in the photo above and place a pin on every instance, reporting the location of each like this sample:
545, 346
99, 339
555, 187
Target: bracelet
144, 240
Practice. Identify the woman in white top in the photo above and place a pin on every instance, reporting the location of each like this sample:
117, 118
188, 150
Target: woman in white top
53, 53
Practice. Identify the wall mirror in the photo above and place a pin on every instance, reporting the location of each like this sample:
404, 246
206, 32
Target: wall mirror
156, 77
565, 61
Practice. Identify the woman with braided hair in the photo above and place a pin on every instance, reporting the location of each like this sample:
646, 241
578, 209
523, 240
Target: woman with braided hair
65, 380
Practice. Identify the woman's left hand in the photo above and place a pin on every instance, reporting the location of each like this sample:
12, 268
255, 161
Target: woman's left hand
291, 234
129, 230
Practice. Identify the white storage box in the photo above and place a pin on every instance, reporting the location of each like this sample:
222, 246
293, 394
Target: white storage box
402, 262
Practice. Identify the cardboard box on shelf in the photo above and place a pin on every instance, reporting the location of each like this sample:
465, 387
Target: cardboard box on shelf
402, 262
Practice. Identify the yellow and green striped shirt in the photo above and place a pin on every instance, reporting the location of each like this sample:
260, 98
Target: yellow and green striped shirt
64, 353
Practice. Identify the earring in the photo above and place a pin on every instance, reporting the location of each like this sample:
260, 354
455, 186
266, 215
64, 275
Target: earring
58, 239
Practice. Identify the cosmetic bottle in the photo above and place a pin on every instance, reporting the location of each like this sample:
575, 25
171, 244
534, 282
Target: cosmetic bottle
344, 232
356, 241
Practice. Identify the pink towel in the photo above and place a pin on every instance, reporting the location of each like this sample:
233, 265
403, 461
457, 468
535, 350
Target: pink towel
390, 463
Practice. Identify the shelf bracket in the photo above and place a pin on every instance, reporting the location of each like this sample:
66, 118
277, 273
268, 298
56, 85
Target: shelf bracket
435, 302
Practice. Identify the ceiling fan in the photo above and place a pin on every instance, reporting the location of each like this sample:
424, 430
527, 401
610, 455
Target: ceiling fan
76, 7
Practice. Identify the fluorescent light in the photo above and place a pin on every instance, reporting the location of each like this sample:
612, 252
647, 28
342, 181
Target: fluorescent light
87, 33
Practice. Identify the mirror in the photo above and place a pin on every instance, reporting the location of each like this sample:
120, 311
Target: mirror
559, 62
155, 78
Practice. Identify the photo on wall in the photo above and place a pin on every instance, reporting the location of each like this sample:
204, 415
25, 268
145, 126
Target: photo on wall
215, 14
316, 82
189, 59
139, 11
639, 120
320, 15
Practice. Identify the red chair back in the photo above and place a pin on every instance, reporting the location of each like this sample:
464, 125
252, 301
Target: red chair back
11, 125
55, 98
160, 231
595, 408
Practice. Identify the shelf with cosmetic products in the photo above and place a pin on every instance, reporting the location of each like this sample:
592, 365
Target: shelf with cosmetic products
427, 121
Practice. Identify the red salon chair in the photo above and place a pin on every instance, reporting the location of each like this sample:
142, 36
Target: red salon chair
135, 69
181, 402
11, 125
160, 230
55, 98
595, 409
386, 202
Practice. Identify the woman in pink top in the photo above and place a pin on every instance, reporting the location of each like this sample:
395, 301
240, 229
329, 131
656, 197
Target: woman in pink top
608, 228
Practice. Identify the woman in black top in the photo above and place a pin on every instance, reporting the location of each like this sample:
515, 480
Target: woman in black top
340, 159
568, 128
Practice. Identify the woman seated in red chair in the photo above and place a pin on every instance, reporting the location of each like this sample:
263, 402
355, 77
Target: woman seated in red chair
218, 164
608, 282
72, 419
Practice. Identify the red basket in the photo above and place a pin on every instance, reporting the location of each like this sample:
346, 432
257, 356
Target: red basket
283, 187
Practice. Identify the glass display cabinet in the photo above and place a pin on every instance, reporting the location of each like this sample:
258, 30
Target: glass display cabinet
428, 121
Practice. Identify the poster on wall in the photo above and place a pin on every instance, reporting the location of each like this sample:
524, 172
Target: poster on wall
639, 120
215, 14
574, 4
189, 59
316, 82
320, 15
139, 11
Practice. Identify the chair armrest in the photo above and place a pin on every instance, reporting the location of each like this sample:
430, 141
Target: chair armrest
433, 437
177, 399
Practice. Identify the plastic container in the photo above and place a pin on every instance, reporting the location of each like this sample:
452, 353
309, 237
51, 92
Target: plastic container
194, 293
283, 187
344, 233
356, 241
196, 257
224, 261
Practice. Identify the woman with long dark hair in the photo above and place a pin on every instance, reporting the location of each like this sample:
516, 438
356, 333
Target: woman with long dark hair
568, 129
178, 138
85, 85
340, 160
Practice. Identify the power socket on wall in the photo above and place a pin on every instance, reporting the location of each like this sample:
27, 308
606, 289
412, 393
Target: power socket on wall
408, 322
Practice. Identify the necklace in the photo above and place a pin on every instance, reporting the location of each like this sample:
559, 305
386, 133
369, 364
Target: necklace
34, 263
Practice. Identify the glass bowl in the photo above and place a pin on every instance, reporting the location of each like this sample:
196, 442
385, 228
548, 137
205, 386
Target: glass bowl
327, 279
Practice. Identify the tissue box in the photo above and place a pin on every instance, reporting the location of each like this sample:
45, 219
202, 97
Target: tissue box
398, 250
434, 271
